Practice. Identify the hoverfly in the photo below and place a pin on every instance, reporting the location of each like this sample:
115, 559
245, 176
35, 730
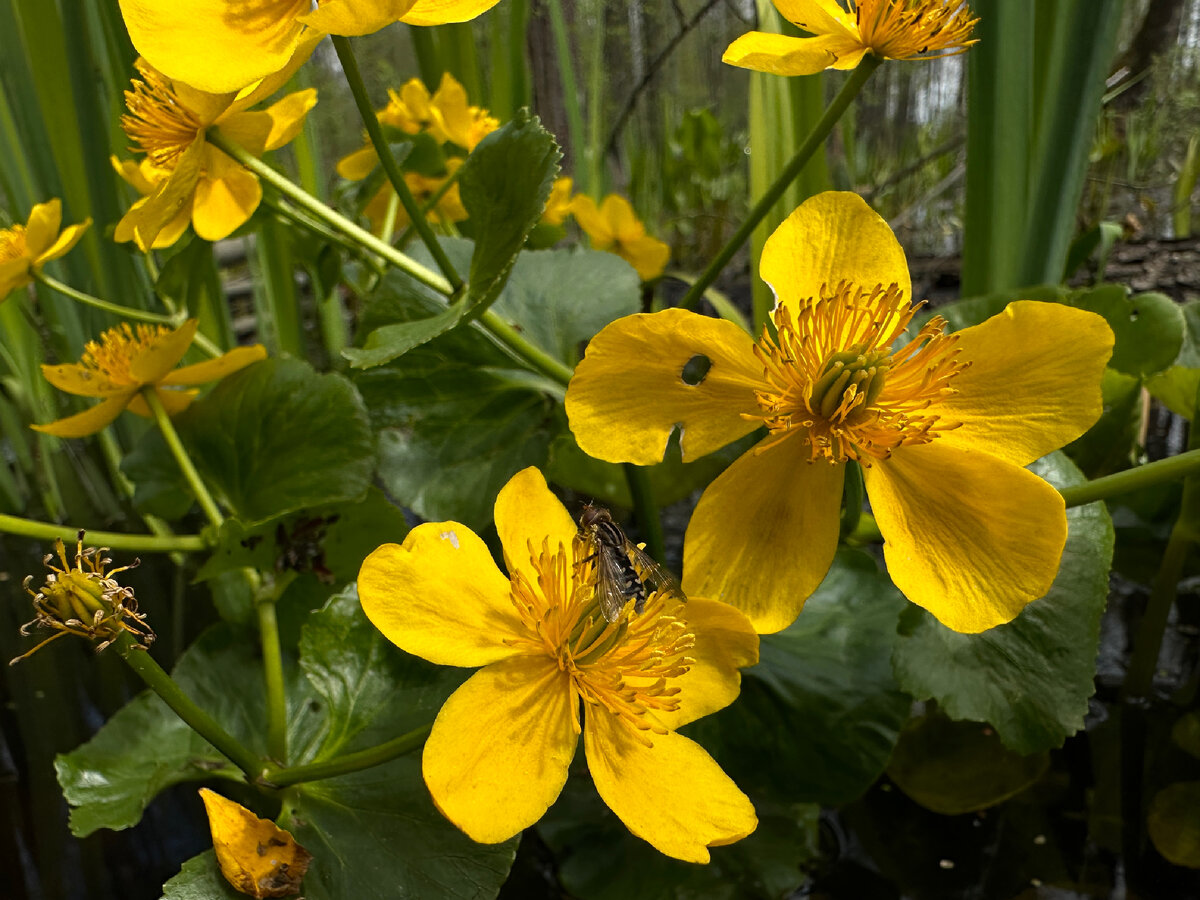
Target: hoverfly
624, 571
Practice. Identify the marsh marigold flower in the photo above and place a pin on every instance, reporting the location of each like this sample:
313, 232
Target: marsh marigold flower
184, 176
554, 668
558, 204
24, 249
943, 425
614, 227
889, 29
129, 360
84, 599
226, 45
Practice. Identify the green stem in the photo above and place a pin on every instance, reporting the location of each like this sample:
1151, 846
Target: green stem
335, 220
431, 203
138, 315
375, 133
811, 143
351, 762
171, 436
537, 358
646, 510
427, 56
137, 543
1148, 643
1171, 469
197, 719
268, 627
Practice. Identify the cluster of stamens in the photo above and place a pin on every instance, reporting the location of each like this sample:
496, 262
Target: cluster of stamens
84, 599
111, 357
832, 376
626, 668
12, 243
905, 29
158, 123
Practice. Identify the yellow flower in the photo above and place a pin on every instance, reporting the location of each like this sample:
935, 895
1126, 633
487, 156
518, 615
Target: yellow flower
615, 228
501, 746
186, 176
558, 204
226, 45
942, 424
446, 115
889, 29
125, 362
26, 248
449, 207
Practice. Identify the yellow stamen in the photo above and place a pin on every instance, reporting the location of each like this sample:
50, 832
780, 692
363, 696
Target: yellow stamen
627, 668
906, 29
158, 122
832, 375
110, 357
12, 243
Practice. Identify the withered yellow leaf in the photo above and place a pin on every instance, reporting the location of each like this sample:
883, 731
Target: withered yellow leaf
256, 856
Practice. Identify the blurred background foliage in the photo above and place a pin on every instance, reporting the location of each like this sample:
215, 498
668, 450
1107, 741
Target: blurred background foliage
1067, 142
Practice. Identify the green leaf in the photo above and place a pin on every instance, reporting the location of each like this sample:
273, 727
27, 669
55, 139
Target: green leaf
1030, 679
1107, 446
1148, 327
959, 767
1174, 823
1176, 389
375, 835
386, 343
818, 716
272, 439
200, 879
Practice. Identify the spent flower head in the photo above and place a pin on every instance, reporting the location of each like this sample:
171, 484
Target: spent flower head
84, 599
845, 32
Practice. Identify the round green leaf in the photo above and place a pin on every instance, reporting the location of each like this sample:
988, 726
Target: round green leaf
1174, 823
1148, 327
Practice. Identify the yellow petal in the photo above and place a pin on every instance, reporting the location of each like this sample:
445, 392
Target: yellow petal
764, 533
628, 392
440, 12
440, 596
173, 230
226, 197
81, 381
131, 171
174, 402
69, 238
89, 421
621, 219
149, 216
593, 223
1033, 384
214, 369
256, 856
498, 755
817, 16
14, 273
261, 90
42, 227
358, 165
725, 642
215, 45
831, 237
971, 538
526, 511
672, 795
271, 128
354, 17
647, 255
151, 364
781, 54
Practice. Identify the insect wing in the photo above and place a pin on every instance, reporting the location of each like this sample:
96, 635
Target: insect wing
609, 580
654, 576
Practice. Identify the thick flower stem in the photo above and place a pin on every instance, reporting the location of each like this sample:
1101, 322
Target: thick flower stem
1171, 469
351, 762
268, 627
646, 510
171, 436
375, 133
811, 143
137, 543
196, 718
536, 358
137, 315
335, 220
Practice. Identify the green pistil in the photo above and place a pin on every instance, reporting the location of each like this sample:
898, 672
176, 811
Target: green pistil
865, 372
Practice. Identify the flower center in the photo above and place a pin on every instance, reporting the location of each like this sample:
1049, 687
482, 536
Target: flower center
111, 357
903, 29
158, 122
832, 375
12, 243
627, 668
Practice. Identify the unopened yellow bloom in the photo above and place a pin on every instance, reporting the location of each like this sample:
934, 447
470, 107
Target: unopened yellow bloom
889, 29
558, 204
554, 668
943, 426
187, 177
125, 362
26, 248
614, 227
226, 45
